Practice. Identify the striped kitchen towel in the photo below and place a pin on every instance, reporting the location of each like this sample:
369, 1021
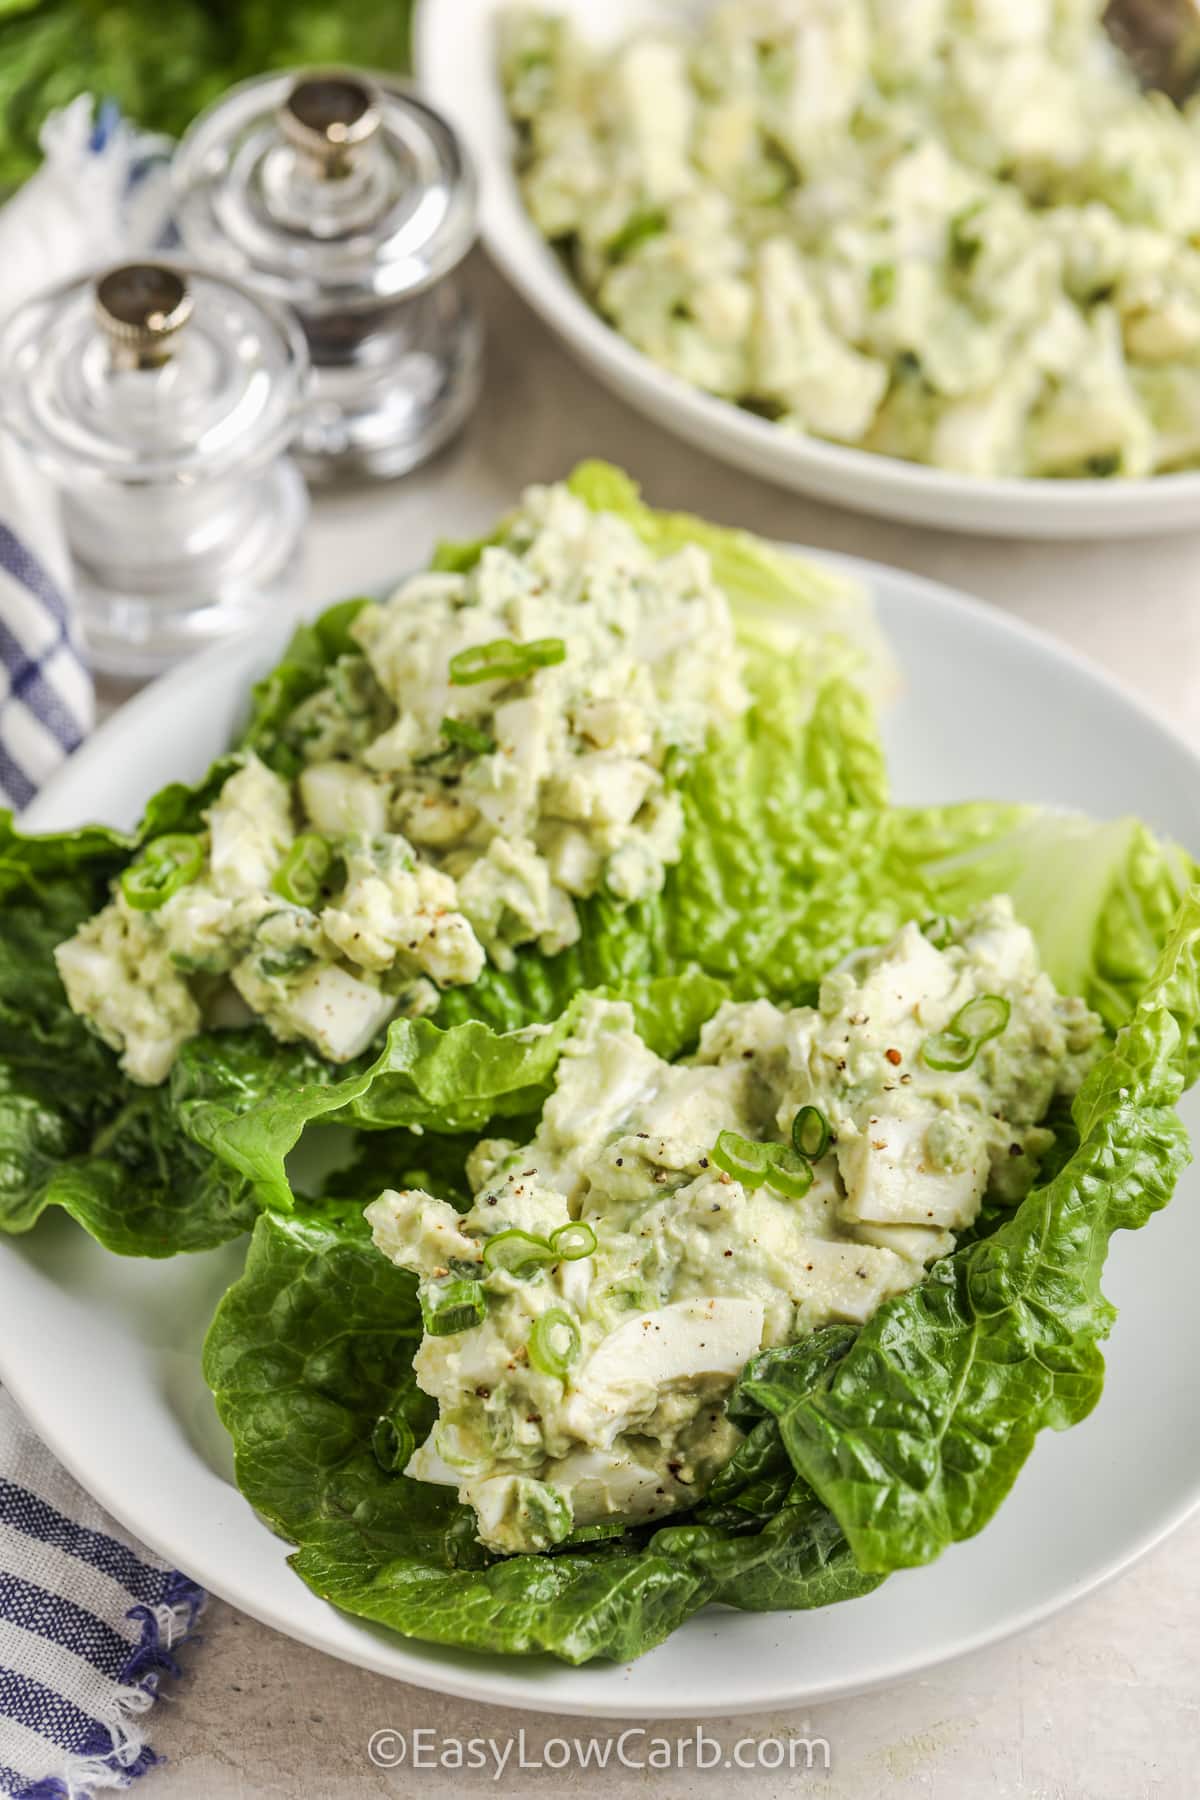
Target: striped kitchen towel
89, 1624
45, 688
101, 192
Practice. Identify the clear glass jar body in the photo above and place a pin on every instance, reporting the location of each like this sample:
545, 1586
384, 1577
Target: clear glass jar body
365, 248
167, 445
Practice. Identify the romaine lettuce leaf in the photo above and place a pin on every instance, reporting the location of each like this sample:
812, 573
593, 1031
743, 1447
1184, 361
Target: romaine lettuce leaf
763, 811
309, 1358
73, 1131
1099, 896
865, 1452
791, 859
915, 1437
250, 1108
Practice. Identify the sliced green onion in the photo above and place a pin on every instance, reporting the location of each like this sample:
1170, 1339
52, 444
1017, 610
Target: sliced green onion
789, 1174
517, 1252
504, 660
166, 864
594, 1534
461, 731
571, 1242
285, 962
554, 1342
881, 285
451, 1305
957, 1046
810, 1133
944, 1051
982, 1018
392, 1443
938, 930
640, 226
754, 1164
299, 876
520, 1253
742, 1157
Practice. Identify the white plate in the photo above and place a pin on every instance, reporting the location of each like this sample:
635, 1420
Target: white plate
456, 61
104, 1353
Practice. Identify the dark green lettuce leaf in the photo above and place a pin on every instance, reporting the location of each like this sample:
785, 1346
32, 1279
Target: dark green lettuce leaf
73, 1131
762, 810
162, 64
791, 859
865, 1451
915, 1437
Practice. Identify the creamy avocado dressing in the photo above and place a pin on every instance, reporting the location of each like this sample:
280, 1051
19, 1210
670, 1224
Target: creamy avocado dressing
586, 1318
500, 744
956, 232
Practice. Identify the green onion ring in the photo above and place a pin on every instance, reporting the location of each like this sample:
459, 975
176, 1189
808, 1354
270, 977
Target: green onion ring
167, 864
452, 1305
504, 660
810, 1133
544, 1354
956, 1046
299, 876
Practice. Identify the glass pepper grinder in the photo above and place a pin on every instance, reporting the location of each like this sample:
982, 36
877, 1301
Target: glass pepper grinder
161, 401
348, 198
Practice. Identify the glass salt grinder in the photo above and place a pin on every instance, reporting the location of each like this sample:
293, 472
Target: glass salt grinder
345, 196
160, 400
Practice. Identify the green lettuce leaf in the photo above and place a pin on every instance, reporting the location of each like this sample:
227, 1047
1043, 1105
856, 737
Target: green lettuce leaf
1099, 896
163, 64
865, 1451
73, 1131
916, 1436
248, 1108
768, 809
791, 859
304, 667
310, 1360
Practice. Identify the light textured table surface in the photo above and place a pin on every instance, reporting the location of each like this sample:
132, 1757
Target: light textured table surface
1101, 1704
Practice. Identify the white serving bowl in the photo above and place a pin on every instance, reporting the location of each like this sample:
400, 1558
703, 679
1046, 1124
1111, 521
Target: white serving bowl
455, 47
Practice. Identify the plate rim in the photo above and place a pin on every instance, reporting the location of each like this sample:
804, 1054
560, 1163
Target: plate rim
510, 1686
862, 481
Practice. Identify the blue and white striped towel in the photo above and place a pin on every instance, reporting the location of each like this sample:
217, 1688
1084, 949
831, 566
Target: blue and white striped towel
45, 688
100, 193
89, 1623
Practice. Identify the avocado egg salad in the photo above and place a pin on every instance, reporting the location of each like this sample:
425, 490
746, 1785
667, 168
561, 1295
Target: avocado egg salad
495, 745
586, 1319
957, 234
669, 1172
